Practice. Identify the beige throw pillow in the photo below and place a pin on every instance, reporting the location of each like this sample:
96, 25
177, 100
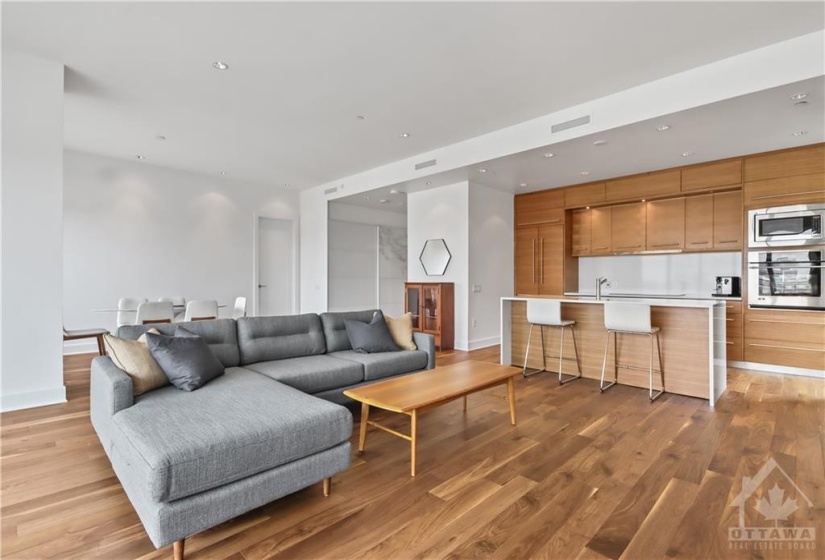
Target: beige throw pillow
133, 357
402, 331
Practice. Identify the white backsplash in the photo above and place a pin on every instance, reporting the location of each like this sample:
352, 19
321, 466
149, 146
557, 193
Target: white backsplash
691, 274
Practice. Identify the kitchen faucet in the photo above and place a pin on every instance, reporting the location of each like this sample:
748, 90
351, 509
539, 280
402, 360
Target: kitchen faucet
599, 281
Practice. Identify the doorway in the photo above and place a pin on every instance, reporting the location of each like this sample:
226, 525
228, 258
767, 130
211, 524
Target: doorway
275, 260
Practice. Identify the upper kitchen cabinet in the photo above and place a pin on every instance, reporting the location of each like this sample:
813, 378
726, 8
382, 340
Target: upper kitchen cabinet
580, 231
666, 225
727, 221
699, 223
544, 207
600, 231
713, 176
627, 230
584, 195
788, 177
648, 185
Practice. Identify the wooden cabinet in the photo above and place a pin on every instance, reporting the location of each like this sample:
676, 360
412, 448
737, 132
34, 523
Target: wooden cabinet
580, 231
627, 229
543, 207
433, 310
600, 230
727, 221
785, 338
648, 185
734, 330
539, 260
584, 195
712, 176
665, 225
699, 223
787, 177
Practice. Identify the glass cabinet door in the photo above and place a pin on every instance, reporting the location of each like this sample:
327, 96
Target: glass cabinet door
413, 300
431, 308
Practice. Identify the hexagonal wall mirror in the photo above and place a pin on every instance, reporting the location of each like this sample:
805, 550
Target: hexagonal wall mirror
435, 257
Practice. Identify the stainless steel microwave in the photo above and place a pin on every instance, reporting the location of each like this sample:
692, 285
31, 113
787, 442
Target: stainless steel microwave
786, 279
786, 226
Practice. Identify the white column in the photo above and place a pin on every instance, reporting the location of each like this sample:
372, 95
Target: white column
31, 206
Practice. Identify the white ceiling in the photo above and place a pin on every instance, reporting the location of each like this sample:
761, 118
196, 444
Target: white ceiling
285, 111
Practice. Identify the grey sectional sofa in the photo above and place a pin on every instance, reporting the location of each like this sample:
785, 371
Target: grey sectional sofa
268, 427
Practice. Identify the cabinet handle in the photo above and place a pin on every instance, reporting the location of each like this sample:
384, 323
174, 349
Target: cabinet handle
534, 260
784, 194
597, 248
699, 242
557, 220
630, 247
786, 322
785, 347
541, 270
729, 241
665, 244
729, 320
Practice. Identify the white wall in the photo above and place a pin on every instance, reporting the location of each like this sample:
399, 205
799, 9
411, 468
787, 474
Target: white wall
136, 230
491, 262
32, 200
692, 274
443, 213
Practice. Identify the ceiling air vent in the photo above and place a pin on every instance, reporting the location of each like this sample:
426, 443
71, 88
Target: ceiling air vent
424, 164
331, 190
570, 124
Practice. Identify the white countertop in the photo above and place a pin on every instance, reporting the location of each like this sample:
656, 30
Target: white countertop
659, 302
641, 295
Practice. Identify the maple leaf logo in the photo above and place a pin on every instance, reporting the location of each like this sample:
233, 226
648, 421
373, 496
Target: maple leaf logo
776, 507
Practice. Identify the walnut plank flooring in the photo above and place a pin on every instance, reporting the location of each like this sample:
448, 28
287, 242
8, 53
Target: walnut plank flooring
583, 475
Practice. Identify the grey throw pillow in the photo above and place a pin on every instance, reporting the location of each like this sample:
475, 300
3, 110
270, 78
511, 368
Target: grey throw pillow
372, 337
187, 361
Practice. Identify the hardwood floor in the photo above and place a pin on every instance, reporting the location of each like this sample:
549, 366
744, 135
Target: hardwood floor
583, 475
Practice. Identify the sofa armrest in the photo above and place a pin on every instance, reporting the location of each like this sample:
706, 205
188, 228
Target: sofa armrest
110, 392
426, 342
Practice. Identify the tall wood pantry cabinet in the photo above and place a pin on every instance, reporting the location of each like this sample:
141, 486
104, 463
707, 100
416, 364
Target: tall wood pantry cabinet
433, 310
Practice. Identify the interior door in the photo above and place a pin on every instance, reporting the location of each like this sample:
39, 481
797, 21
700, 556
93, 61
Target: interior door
276, 267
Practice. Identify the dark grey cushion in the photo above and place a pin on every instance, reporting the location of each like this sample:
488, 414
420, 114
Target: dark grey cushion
220, 334
386, 364
311, 374
187, 362
276, 338
179, 444
370, 337
336, 333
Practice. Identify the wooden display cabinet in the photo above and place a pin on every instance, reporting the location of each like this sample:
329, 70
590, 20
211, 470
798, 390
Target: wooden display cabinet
432, 306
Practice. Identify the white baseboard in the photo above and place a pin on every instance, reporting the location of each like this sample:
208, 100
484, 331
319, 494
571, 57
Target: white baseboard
32, 399
484, 342
770, 368
82, 346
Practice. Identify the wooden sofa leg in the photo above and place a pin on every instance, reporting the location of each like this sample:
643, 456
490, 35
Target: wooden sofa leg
177, 548
327, 486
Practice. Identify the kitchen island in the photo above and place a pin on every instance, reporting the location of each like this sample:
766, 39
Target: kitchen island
692, 341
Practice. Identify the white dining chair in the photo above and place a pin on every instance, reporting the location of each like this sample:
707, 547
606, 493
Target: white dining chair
179, 302
127, 310
201, 310
240, 308
155, 312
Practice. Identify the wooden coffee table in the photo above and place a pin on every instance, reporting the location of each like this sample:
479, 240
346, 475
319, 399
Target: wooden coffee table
417, 392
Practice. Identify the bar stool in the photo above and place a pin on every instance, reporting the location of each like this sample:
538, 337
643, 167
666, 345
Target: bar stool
630, 318
547, 313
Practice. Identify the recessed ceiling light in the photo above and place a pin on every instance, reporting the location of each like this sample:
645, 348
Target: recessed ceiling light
393, 191
429, 183
383, 201
585, 173
141, 157
687, 154
522, 184
401, 204
482, 170
286, 184
405, 135
549, 154
663, 127
218, 65
223, 172
600, 142
800, 133
160, 137
368, 197
360, 117
798, 96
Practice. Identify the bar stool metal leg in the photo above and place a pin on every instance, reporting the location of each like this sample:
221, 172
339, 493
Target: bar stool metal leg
658, 394
527, 352
602, 386
562, 381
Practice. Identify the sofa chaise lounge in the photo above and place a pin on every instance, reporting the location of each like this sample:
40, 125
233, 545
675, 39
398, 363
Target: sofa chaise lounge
271, 425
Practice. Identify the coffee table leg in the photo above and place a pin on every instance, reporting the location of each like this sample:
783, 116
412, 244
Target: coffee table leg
511, 396
365, 415
413, 439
